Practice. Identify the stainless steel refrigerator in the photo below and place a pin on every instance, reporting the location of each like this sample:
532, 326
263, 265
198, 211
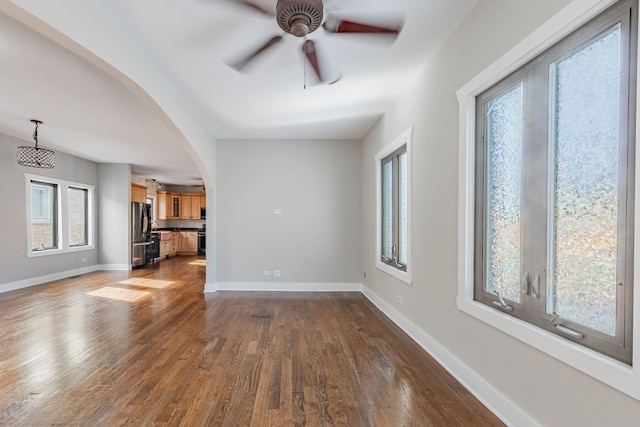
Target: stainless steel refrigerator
140, 232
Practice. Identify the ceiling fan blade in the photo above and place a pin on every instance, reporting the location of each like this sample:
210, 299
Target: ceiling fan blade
344, 26
311, 54
254, 7
241, 64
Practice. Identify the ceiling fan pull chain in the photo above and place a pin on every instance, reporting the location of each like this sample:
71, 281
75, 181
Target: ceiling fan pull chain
304, 65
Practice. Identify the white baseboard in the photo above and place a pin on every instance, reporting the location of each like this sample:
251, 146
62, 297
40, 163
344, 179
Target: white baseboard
114, 267
33, 281
282, 287
497, 403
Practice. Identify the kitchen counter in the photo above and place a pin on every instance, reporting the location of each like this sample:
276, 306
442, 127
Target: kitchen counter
175, 240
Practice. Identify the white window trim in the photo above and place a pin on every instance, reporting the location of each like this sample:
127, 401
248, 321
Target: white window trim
616, 374
404, 138
63, 216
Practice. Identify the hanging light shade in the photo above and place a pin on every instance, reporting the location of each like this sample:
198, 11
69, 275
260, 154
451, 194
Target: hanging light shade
36, 157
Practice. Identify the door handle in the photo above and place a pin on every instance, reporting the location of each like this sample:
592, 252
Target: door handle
501, 302
525, 283
567, 331
536, 286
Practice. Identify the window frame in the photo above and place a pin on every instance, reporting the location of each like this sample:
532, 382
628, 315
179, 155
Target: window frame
86, 217
538, 161
389, 151
52, 214
62, 215
623, 377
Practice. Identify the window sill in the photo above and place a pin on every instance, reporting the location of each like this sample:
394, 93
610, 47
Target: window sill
404, 276
47, 252
603, 368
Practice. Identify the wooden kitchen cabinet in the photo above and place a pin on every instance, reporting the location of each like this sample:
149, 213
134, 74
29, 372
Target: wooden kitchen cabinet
168, 205
179, 206
174, 243
188, 242
176, 202
163, 248
138, 193
168, 246
162, 205
190, 206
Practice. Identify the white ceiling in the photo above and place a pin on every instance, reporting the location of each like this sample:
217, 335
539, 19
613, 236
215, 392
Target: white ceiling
188, 43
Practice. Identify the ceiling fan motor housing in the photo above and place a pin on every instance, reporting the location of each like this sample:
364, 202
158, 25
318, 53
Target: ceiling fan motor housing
299, 17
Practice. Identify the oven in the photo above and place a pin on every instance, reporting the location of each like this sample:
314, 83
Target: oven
202, 241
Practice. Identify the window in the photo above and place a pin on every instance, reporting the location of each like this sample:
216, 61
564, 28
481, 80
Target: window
78, 216
393, 190
554, 174
623, 376
44, 216
60, 216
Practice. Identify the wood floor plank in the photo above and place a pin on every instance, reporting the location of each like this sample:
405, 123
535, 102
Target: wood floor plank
148, 347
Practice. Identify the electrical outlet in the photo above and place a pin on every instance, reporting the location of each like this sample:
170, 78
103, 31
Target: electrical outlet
84, 260
267, 272
276, 273
399, 299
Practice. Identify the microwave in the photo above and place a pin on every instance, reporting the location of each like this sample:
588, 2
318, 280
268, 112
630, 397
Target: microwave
203, 213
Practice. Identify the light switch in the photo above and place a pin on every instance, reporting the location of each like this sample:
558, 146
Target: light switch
277, 211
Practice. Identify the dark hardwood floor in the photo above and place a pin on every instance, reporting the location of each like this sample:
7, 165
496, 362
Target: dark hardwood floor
150, 348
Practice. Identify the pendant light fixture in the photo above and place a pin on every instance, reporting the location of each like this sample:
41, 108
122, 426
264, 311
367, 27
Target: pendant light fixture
36, 157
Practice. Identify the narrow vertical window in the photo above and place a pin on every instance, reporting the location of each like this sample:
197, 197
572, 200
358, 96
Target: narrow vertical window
585, 188
403, 208
393, 170
387, 209
78, 216
394, 209
503, 117
44, 216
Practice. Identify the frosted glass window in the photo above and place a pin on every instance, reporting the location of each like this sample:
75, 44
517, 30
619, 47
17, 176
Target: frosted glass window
504, 172
387, 207
585, 204
395, 189
402, 208
555, 175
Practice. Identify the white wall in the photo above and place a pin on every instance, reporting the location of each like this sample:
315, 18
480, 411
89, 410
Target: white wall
316, 186
547, 391
16, 269
114, 221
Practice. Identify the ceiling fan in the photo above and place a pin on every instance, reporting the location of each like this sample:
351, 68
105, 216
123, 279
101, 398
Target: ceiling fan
300, 18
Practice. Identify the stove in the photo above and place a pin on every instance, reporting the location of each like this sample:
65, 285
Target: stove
202, 241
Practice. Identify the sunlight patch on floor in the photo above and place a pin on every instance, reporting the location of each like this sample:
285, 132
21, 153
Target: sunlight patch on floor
202, 262
121, 294
147, 283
